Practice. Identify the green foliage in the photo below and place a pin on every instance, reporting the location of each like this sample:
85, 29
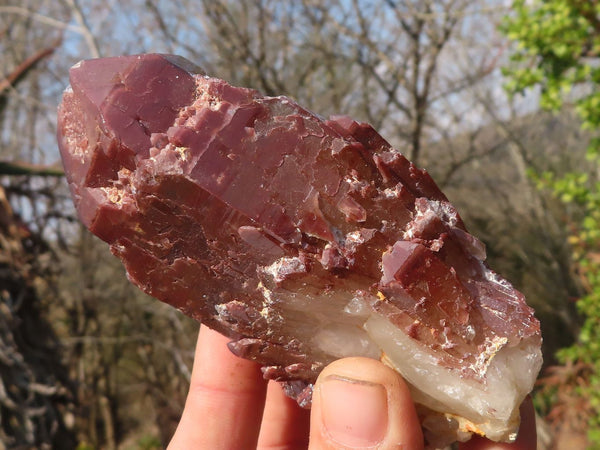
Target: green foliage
558, 43
557, 50
149, 442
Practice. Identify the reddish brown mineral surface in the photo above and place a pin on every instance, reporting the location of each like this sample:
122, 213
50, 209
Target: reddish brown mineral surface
302, 239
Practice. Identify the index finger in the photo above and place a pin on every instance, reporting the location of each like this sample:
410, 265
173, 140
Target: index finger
226, 398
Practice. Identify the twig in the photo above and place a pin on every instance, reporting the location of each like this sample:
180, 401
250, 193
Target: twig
19, 72
22, 168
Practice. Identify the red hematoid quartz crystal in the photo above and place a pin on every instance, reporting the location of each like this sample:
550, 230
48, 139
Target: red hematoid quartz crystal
302, 239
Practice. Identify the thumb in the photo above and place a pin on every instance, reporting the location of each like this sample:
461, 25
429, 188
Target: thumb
361, 403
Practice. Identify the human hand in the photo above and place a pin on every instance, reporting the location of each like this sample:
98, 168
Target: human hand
357, 403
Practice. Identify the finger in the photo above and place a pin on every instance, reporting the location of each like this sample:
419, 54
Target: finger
226, 398
359, 402
285, 425
526, 440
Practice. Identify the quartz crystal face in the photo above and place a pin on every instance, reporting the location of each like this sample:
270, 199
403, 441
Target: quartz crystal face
302, 239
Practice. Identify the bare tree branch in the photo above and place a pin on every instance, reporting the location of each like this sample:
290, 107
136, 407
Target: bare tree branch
84, 28
21, 70
23, 168
39, 18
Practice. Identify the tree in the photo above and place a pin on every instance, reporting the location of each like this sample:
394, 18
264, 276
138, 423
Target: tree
67, 361
558, 50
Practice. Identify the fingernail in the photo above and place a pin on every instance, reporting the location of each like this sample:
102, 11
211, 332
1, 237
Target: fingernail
354, 412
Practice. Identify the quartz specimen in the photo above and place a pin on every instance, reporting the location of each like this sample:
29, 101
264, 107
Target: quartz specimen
302, 239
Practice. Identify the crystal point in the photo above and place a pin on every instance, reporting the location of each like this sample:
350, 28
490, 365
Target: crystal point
302, 239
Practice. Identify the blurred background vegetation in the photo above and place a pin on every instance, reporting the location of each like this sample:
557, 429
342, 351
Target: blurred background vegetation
499, 101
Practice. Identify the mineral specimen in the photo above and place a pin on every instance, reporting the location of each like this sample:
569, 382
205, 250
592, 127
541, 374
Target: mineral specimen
302, 239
